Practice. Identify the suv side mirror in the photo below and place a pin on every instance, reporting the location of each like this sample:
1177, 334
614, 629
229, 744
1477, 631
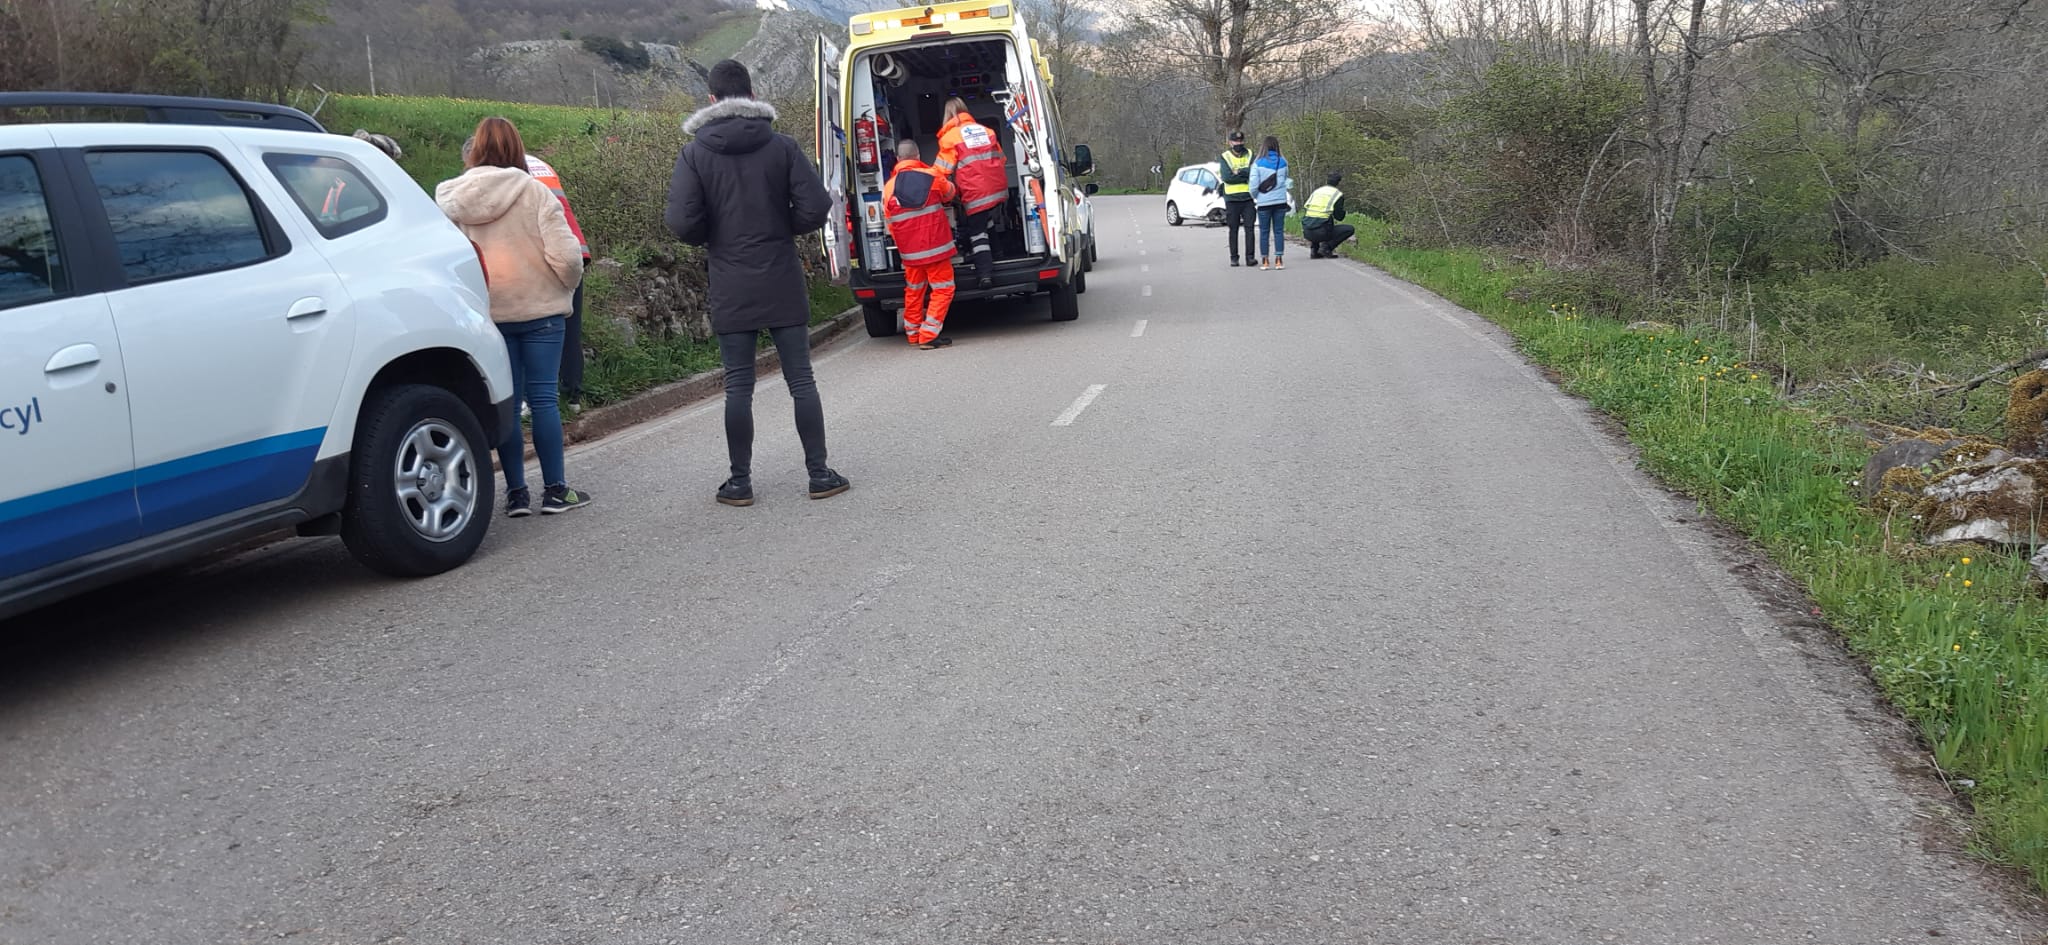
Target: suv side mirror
1084, 161
1091, 188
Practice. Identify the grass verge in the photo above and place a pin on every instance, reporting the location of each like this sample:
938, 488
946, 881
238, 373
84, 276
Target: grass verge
1956, 639
615, 166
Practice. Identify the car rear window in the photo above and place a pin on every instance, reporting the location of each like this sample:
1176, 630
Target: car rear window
334, 194
30, 268
176, 213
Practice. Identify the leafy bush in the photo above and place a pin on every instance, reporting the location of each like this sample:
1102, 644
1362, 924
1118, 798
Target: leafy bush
1539, 141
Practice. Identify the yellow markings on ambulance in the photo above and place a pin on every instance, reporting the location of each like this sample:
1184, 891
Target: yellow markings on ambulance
927, 18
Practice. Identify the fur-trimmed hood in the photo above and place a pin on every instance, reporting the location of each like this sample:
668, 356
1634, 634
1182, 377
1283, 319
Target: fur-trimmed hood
733, 126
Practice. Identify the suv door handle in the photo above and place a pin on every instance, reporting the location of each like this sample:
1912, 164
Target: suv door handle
73, 358
312, 307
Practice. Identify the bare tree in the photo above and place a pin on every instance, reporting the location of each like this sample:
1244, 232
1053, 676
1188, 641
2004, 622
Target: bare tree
1059, 25
1246, 52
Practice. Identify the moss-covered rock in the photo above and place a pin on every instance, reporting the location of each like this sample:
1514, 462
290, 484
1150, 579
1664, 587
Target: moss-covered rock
2026, 413
2000, 503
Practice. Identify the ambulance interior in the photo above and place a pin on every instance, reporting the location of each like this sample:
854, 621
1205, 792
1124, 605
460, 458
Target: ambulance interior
903, 93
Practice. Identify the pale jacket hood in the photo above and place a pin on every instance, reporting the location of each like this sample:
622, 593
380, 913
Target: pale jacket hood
728, 108
482, 195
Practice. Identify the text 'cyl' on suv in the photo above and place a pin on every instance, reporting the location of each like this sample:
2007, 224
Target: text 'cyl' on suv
219, 321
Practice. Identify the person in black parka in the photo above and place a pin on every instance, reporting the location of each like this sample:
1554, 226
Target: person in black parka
745, 193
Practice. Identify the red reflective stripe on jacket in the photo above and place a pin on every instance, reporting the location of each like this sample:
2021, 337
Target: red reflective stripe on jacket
974, 156
545, 173
919, 235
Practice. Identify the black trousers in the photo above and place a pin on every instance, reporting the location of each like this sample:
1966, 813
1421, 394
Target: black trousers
572, 351
974, 232
1241, 213
793, 346
1325, 239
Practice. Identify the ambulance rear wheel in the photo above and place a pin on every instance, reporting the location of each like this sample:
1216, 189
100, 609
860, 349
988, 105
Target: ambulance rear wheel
881, 322
1066, 301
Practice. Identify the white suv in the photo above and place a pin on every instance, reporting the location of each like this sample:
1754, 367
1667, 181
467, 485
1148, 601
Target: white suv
212, 328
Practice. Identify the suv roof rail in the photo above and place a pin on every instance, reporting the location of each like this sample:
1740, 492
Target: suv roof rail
172, 109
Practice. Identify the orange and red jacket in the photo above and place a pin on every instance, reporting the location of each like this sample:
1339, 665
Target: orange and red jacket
974, 157
914, 203
544, 173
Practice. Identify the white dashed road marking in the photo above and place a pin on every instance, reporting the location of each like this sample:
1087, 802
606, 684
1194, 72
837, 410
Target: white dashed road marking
1080, 403
1139, 330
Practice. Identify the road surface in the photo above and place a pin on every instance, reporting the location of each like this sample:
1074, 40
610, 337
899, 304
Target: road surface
1250, 608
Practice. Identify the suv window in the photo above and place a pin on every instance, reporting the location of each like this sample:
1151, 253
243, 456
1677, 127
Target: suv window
332, 193
176, 213
1209, 179
31, 269
1191, 176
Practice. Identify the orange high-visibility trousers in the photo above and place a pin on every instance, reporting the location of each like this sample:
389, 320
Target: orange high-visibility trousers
927, 295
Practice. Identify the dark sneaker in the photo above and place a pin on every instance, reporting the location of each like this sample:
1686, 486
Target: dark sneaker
828, 485
1233, 262
518, 503
937, 343
559, 499
736, 492
985, 282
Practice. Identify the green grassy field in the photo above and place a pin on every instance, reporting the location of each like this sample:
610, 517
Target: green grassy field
615, 166
1956, 638
725, 39
431, 130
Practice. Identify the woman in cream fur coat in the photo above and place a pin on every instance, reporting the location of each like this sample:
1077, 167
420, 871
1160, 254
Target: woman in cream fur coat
533, 264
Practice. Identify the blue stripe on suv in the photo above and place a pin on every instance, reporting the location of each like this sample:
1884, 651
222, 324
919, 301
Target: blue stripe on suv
49, 527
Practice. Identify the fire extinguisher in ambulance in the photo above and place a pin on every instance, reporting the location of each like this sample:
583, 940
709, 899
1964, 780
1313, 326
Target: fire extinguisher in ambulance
868, 131
865, 152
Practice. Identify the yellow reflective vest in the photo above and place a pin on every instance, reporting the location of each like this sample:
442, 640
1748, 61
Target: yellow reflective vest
1322, 203
1238, 164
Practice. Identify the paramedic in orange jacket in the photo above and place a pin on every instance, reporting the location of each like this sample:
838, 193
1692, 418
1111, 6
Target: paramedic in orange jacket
973, 156
914, 204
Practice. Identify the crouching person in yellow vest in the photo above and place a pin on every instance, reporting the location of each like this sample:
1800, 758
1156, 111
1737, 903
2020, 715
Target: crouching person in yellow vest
1319, 220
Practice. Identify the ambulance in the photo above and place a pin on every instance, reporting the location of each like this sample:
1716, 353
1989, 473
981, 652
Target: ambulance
890, 84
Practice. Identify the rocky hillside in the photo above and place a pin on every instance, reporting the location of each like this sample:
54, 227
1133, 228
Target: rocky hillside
564, 71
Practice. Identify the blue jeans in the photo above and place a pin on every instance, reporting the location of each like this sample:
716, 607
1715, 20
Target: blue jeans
536, 350
1273, 223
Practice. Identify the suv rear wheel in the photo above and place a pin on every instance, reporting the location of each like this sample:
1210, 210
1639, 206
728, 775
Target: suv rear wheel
420, 483
1172, 213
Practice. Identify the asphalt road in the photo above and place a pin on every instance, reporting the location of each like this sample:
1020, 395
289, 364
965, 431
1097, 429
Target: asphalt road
1250, 608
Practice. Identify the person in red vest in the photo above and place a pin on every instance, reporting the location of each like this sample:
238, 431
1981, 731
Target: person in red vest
572, 337
914, 204
973, 156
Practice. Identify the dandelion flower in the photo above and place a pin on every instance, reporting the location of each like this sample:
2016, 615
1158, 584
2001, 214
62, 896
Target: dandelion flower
1756, 377
1969, 583
1958, 648
1966, 560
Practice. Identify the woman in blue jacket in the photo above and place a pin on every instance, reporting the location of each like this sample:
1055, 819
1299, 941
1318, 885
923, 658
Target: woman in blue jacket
1270, 192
